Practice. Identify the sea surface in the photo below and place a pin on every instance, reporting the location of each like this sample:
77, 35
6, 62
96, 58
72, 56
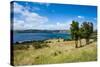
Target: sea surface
38, 36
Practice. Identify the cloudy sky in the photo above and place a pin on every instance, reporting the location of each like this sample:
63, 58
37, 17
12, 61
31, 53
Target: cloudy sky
49, 16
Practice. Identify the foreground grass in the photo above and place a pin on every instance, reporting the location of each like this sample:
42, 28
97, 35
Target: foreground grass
57, 52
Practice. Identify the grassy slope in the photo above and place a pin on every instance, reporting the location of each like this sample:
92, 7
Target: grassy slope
57, 52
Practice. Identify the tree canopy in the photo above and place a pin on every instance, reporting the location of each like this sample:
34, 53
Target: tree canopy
84, 31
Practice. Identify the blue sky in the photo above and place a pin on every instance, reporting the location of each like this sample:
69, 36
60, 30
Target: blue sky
50, 16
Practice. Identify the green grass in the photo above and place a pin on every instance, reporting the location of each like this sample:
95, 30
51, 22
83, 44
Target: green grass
64, 53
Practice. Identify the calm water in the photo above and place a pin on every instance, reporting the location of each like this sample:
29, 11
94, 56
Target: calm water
38, 36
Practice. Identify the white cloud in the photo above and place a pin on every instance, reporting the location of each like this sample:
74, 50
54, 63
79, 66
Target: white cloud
17, 8
32, 20
27, 19
18, 25
56, 26
81, 17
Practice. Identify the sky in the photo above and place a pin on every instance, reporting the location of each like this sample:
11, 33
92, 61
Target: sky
50, 16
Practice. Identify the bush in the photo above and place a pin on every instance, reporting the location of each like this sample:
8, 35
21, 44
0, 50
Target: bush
21, 47
58, 40
39, 44
67, 39
47, 42
55, 54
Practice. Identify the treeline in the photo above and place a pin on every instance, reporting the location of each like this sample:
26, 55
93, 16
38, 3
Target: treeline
84, 31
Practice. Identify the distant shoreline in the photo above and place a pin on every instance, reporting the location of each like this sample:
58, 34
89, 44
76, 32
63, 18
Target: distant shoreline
30, 41
39, 31
27, 37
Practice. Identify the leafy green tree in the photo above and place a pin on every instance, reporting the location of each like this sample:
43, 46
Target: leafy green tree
74, 32
80, 35
87, 30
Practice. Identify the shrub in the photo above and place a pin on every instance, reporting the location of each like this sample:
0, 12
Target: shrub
58, 40
21, 47
39, 44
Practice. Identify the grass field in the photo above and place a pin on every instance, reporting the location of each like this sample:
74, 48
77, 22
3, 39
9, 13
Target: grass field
56, 51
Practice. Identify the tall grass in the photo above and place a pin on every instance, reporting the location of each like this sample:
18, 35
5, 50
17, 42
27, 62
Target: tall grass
55, 54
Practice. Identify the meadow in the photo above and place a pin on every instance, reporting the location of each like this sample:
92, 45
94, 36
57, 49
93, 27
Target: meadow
53, 51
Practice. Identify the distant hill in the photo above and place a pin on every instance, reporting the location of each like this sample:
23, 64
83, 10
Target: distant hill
39, 31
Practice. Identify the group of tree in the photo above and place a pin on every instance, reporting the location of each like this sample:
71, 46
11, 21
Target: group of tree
84, 31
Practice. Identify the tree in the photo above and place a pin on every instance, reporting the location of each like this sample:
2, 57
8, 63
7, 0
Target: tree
74, 32
87, 30
80, 35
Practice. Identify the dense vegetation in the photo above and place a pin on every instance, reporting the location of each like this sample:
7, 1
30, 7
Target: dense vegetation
78, 33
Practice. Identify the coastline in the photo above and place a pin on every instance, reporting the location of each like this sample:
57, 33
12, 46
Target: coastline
30, 41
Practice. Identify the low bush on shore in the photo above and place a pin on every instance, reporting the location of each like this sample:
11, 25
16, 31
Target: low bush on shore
35, 44
40, 44
67, 39
21, 47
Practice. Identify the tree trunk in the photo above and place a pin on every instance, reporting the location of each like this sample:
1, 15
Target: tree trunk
80, 42
76, 43
87, 41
